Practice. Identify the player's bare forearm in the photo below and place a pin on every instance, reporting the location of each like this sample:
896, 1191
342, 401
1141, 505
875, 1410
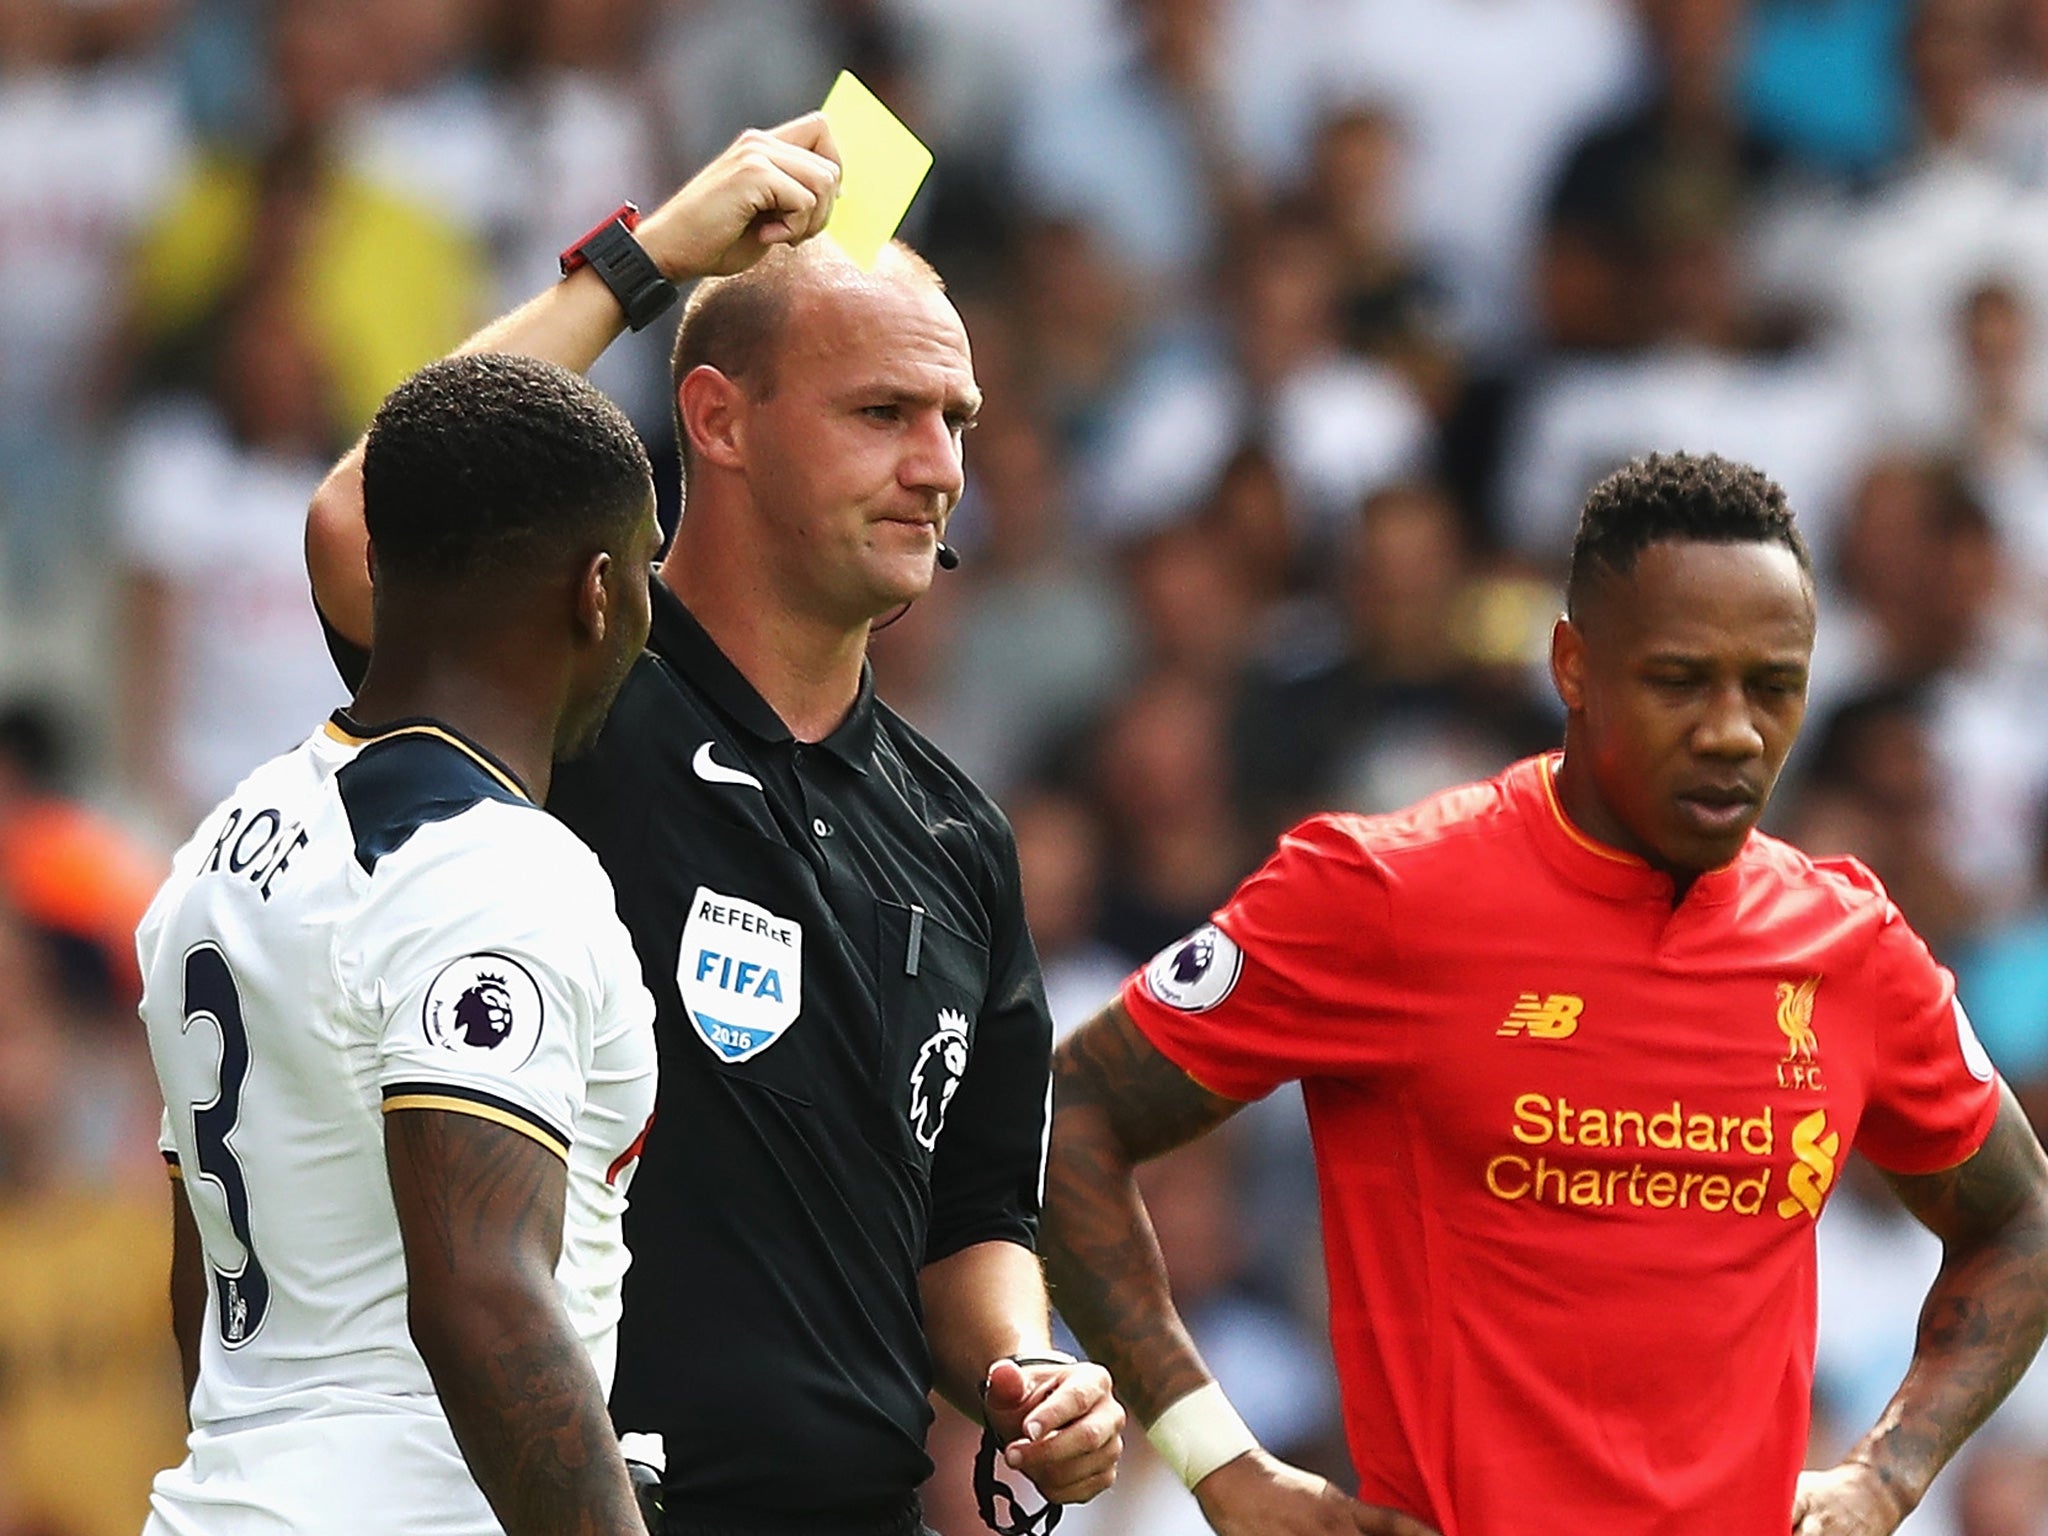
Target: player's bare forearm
188, 1287
480, 1208
1986, 1312
1116, 1103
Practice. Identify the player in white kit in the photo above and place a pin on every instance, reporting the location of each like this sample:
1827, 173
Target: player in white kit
406, 1055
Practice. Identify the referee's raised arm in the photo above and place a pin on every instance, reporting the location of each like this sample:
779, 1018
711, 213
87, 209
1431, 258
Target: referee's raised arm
769, 187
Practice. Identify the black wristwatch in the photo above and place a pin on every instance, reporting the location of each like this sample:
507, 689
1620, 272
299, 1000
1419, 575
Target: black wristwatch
613, 254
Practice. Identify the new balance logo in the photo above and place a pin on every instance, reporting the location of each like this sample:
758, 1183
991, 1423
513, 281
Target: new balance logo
1555, 1017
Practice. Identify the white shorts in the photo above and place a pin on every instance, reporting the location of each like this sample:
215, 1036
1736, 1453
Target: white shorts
382, 1474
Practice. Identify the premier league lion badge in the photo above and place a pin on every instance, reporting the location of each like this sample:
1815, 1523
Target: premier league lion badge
1197, 973
484, 1005
941, 1063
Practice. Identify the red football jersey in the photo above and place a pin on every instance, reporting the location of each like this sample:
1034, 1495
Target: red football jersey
1571, 1141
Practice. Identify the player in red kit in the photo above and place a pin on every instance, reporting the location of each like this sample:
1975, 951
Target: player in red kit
1583, 1055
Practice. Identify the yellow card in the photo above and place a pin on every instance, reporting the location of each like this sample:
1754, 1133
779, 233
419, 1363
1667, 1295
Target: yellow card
881, 166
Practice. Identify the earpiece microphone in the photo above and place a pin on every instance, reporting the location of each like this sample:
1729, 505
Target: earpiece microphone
949, 557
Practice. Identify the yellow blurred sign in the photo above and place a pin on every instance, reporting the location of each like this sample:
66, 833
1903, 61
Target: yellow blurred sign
881, 166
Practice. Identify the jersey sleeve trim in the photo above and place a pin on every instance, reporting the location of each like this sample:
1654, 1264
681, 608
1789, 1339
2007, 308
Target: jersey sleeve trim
173, 1167
472, 1101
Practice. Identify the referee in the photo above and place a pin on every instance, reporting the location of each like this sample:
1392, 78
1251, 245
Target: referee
837, 1202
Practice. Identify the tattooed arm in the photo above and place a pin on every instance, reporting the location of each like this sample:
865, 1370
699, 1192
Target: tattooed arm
480, 1209
1979, 1329
1118, 1102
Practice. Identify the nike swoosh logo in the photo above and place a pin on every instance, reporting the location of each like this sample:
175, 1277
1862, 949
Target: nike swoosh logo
711, 771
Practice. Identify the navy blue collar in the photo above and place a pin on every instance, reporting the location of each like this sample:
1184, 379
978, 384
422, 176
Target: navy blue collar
345, 727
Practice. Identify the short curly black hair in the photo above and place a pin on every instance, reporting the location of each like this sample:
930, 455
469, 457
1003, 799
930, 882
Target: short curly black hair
1662, 496
488, 464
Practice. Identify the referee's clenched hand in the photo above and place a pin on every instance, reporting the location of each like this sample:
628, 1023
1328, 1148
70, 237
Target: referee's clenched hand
1059, 1424
768, 187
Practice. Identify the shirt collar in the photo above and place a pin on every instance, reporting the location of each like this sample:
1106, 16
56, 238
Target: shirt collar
1592, 864
679, 639
349, 731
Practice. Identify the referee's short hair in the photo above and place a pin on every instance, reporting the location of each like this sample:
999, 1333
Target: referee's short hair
737, 323
490, 465
1702, 497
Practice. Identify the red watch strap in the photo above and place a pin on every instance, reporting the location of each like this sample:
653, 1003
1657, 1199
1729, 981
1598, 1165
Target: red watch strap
627, 214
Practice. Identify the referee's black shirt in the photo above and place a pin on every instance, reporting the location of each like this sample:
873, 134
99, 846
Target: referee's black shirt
831, 933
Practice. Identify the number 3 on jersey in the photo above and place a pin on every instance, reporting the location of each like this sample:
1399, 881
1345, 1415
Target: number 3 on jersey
242, 1295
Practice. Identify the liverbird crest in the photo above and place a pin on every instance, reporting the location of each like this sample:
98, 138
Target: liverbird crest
1795, 1016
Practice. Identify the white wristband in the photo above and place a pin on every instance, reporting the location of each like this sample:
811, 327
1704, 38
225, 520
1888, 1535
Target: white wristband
1200, 1433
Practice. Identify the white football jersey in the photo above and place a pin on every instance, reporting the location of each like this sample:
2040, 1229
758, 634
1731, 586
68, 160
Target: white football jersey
368, 924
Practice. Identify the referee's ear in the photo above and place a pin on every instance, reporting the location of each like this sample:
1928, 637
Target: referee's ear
712, 410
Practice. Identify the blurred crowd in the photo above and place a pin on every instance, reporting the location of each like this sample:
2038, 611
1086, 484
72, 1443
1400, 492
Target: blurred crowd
1304, 326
